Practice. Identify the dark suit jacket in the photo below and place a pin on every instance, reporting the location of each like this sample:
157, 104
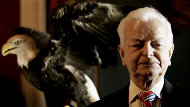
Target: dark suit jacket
172, 96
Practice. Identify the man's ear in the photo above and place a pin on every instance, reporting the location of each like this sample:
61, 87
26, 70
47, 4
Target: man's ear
171, 52
121, 52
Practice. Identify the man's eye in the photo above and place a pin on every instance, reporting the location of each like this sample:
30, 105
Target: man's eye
18, 42
156, 45
137, 45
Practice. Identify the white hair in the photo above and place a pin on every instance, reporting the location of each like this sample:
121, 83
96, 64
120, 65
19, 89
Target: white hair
143, 14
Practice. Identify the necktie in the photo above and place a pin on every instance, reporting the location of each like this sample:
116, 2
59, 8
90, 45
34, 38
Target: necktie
147, 97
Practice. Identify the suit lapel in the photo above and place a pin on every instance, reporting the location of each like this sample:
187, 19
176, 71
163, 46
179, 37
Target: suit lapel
166, 93
124, 97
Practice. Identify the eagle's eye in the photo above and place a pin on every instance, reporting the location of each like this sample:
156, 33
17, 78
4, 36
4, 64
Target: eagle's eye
18, 42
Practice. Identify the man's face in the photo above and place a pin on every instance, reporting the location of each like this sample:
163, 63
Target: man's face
146, 50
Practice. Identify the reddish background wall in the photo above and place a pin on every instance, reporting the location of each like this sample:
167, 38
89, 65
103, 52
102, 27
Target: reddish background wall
10, 94
9, 18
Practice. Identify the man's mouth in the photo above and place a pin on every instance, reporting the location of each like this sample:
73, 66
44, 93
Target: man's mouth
148, 63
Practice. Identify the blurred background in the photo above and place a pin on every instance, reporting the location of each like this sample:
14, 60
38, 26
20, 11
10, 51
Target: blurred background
16, 91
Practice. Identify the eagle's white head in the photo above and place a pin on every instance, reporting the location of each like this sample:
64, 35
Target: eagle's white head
23, 46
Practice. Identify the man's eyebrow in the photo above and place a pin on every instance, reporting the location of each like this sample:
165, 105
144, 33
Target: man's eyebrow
140, 40
158, 39
137, 40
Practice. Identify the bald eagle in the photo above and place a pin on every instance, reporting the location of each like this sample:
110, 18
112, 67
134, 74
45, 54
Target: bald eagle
83, 35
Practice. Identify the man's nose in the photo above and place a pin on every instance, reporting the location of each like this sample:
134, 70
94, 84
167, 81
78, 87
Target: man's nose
148, 50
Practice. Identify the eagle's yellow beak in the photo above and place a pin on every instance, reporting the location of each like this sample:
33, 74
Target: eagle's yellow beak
7, 48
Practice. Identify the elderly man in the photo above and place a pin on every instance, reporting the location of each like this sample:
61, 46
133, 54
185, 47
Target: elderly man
146, 47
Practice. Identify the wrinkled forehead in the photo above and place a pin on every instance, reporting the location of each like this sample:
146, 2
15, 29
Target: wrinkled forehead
152, 24
144, 29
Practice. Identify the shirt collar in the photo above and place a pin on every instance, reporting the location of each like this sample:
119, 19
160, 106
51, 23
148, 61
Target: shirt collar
134, 90
158, 87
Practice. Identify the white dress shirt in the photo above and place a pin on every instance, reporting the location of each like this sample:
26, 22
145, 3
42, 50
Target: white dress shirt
134, 90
